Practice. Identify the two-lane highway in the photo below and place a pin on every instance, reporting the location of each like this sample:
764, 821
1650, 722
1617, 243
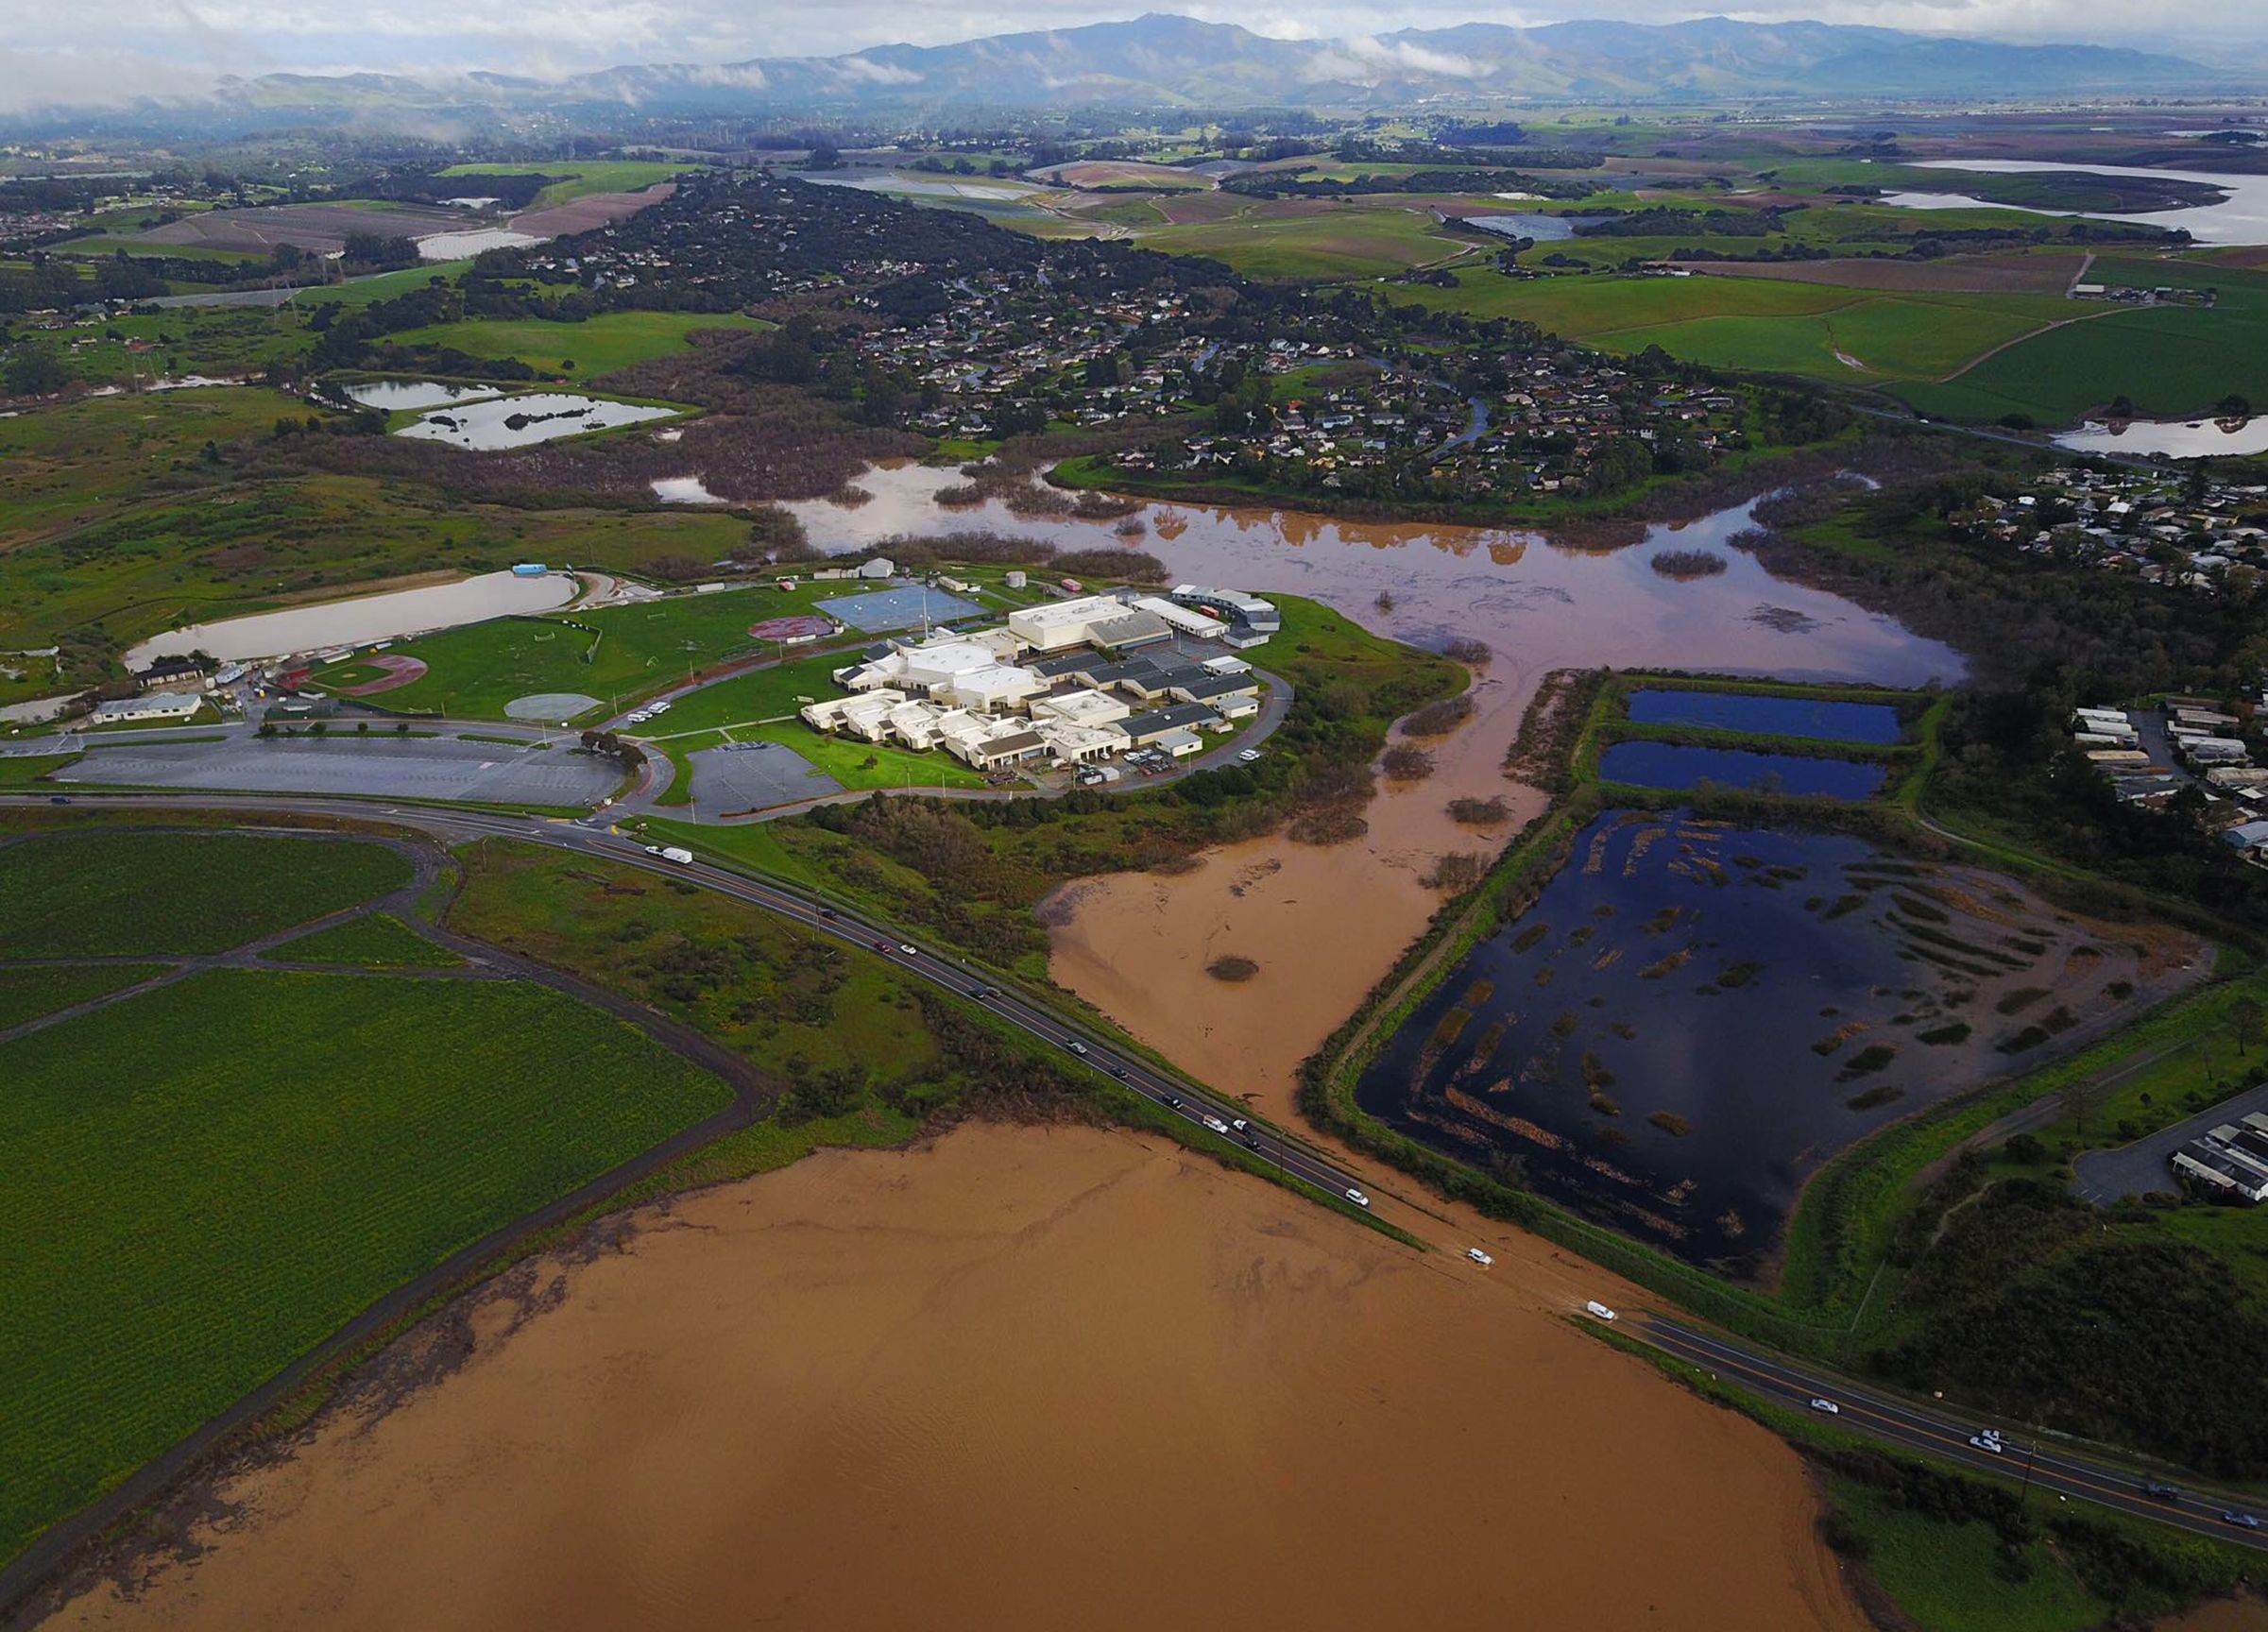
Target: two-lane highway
2044, 1463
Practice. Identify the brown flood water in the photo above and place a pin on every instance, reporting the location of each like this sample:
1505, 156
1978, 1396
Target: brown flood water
1325, 924
1022, 1377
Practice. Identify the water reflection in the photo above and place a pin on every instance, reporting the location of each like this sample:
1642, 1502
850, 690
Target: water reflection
1541, 601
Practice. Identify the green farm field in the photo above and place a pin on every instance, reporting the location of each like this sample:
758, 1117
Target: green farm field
29, 991
101, 893
2168, 360
1759, 323
581, 178
596, 346
372, 941
204, 1181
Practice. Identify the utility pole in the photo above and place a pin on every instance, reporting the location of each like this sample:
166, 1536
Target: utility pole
2024, 1496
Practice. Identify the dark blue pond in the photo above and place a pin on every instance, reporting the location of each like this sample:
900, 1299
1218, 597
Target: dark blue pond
1768, 716
1693, 1015
1670, 765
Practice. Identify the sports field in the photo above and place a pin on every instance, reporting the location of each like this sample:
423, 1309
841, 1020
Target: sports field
200, 1183
596, 346
472, 672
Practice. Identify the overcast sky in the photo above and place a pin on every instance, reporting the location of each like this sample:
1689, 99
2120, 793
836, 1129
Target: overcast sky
103, 50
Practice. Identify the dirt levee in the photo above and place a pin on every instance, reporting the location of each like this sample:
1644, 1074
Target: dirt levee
1025, 1379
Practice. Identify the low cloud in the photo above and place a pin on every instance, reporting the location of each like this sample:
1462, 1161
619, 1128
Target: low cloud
865, 71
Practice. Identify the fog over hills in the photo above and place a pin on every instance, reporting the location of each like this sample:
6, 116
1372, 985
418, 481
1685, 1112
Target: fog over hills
1162, 58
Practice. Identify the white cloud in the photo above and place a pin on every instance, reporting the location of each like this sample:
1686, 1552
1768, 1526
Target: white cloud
121, 49
865, 71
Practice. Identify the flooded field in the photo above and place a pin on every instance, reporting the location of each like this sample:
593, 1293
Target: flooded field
1667, 765
526, 419
1323, 924
392, 615
2171, 439
1023, 1378
1822, 721
1694, 1016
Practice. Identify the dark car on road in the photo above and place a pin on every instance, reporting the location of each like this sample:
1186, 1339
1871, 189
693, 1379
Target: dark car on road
2161, 1492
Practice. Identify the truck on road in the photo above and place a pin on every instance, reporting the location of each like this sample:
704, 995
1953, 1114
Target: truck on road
683, 857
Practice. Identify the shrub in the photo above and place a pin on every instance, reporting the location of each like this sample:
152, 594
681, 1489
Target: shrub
1405, 762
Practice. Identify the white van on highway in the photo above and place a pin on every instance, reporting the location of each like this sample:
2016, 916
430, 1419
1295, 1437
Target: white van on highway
1598, 1310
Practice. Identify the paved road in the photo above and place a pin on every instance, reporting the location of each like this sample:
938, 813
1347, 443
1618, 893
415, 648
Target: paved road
2051, 1465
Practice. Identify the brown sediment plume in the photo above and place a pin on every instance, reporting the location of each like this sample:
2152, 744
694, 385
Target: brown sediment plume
1023, 1378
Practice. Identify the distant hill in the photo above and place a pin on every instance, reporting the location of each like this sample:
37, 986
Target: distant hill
1162, 58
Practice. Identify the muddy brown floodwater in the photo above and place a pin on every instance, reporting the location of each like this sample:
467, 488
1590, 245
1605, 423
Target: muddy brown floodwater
1022, 1377
1325, 924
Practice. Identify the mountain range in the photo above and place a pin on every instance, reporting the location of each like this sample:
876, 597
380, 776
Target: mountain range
1175, 60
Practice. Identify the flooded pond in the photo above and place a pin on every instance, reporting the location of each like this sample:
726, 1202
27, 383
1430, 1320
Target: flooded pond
2171, 439
1670, 765
1541, 602
526, 419
1822, 721
1137, 944
393, 394
1694, 1016
685, 490
456, 245
2239, 218
1544, 229
393, 615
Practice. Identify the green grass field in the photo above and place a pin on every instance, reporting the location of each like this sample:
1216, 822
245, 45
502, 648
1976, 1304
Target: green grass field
1326, 246
187, 553
76, 463
582, 176
597, 345
374, 941
104, 894
199, 1185
774, 994
27, 992
220, 341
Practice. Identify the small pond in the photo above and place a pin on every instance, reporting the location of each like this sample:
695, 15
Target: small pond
1763, 716
1544, 229
393, 394
685, 490
1672, 765
526, 419
1695, 1015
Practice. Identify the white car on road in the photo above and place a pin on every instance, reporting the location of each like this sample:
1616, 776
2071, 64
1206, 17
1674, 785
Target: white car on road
1598, 1310
1827, 1406
1990, 1440
1359, 1197
1479, 1257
